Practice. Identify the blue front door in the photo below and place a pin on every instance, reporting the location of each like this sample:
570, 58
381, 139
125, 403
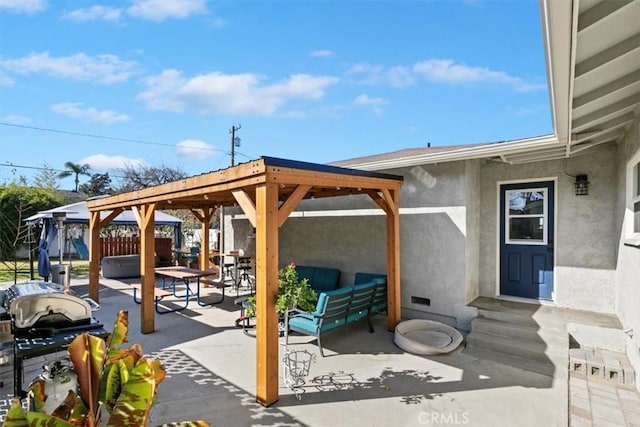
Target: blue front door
526, 239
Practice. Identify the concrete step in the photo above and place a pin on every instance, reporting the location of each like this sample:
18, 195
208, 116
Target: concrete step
542, 315
547, 368
552, 337
524, 348
541, 319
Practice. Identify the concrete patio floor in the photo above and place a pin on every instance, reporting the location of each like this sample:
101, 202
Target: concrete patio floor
364, 379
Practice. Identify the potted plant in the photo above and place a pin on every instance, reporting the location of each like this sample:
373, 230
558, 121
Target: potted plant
292, 293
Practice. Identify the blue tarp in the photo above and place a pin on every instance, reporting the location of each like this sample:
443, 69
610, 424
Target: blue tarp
44, 263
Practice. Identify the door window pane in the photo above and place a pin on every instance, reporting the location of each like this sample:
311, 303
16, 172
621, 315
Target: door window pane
526, 229
526, 202
526, 216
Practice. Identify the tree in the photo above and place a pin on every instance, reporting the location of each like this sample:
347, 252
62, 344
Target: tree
74, 169
16, 204
136, 178
46, 178
99, 184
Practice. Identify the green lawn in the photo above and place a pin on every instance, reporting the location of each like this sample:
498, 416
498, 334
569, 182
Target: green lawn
8, 269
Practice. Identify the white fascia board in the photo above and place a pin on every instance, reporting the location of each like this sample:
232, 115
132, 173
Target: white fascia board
557, 30
476, 152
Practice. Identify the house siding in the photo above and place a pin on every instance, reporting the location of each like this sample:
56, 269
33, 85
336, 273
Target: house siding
628, 262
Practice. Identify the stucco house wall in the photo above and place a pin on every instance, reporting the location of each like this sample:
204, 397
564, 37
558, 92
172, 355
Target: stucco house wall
449, 234
586, 240
628, 262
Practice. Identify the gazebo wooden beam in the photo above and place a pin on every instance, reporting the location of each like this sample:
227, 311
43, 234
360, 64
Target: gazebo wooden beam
267, 248
205, 217
147, 267
290, 204
95, 224
246, 204
393, 259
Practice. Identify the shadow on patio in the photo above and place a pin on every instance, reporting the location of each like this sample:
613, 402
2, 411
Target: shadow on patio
365, 379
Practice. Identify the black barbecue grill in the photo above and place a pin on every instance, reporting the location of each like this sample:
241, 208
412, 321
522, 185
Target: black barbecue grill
44, 320
41, 307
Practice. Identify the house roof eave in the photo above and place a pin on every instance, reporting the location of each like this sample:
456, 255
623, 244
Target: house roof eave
559, 48
476, 152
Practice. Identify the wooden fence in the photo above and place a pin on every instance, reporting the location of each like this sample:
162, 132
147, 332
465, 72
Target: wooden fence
110, 246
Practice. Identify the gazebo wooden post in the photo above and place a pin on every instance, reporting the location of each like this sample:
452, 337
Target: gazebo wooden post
147, 267
205, 222
267, 247
94, 256
393, 260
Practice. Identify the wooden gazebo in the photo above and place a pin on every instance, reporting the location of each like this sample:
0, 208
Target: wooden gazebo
267, 190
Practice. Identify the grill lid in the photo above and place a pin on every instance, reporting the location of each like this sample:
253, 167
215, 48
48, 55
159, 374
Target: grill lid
37, 304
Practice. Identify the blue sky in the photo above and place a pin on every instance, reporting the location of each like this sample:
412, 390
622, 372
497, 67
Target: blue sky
161, 82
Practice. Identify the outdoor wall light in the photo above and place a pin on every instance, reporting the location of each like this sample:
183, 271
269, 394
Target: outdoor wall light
582, 185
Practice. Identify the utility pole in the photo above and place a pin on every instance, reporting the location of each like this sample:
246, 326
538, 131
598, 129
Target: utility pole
235, 142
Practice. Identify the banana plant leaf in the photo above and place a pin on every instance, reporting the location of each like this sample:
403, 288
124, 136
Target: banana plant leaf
187, 424
87, 354
16, 416
136, 399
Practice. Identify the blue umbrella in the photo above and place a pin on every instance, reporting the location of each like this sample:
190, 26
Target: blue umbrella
44, 264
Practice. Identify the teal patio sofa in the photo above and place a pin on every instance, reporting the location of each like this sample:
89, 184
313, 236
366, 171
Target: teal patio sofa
340, 307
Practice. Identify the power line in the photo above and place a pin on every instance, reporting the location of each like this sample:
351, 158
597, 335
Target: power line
112, 138
42, 168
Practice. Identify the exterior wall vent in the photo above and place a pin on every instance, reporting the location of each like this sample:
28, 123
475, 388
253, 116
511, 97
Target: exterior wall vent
421, 301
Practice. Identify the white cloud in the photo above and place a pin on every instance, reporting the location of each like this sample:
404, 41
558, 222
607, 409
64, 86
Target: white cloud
76, 110
450, 72
105, 69
94, 13
194, 149
23, 6
400, 77
364, 68
161, 10
445, 71
374, 103
5, 80
321, 54
397, 76
217, 93
104, 163
17, 120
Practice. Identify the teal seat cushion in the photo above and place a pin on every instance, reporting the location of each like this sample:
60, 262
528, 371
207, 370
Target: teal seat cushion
304, 324
335, 323
339, 291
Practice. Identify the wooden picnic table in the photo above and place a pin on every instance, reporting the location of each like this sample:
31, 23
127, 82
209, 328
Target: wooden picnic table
187, 276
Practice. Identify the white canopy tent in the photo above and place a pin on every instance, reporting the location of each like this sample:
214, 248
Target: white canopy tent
78, 214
